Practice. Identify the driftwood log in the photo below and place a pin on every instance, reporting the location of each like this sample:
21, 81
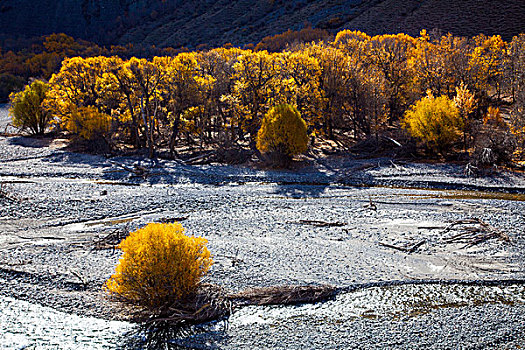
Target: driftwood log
283, 295
318, 223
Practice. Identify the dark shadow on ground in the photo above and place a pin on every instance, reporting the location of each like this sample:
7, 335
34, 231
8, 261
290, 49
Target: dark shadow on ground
31, 141
167, 337
304, 182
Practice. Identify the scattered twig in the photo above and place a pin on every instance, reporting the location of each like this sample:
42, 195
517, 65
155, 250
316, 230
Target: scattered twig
137, 170
81, 278
10, 125
370, 205
4, 194
234, 258
203, 158
394, 165
392, 140
430, 227
112, 239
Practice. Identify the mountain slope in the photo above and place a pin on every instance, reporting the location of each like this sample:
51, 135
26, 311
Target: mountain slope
465, 17
215, 22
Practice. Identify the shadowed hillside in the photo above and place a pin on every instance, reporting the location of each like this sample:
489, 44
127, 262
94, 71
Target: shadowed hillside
215, 22
465, 18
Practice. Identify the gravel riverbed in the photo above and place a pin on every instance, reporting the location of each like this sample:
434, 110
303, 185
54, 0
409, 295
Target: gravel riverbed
332, 221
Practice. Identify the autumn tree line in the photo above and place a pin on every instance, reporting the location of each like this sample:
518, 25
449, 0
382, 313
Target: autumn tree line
40, 57
469, 91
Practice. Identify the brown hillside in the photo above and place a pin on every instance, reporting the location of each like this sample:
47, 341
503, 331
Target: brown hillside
215, 22
465, 17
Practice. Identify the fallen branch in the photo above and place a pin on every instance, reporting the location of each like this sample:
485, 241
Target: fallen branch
200, 158
43, 237
472, 232
392, 140
174, 219
403, 249
394, 165
318, 223
137, 170
409, 249
416, 246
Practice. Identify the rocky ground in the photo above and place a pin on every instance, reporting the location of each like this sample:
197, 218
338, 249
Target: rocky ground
338, 221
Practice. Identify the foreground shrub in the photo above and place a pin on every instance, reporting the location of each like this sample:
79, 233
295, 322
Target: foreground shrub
283, 132
435, 121
160, 265
26, 108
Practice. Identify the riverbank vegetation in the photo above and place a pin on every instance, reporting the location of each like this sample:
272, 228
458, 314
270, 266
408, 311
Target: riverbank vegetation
351, 89
160, 264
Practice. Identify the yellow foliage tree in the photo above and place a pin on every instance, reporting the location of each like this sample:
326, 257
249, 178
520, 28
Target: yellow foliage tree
487, 62
300, 76
391, 55
435, 121
88, 123
283, 132
465, 102
27, 110
255, 73
160, 265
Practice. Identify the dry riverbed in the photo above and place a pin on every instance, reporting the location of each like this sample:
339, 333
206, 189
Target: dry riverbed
374, 228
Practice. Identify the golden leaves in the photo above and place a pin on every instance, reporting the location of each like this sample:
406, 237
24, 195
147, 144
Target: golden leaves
160, 264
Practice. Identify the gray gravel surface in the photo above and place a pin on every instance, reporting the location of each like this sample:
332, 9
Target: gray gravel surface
60, 203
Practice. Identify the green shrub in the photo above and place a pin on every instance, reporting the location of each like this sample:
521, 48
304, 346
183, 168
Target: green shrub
27, 110
283, 132
160, 265
435, 121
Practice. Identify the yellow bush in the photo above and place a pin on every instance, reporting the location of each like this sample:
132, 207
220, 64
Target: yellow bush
283, 131
435, 121
88, 123
26, 108
160, 264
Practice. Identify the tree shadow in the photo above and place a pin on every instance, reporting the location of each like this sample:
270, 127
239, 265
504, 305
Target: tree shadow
168, 337
31, 141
